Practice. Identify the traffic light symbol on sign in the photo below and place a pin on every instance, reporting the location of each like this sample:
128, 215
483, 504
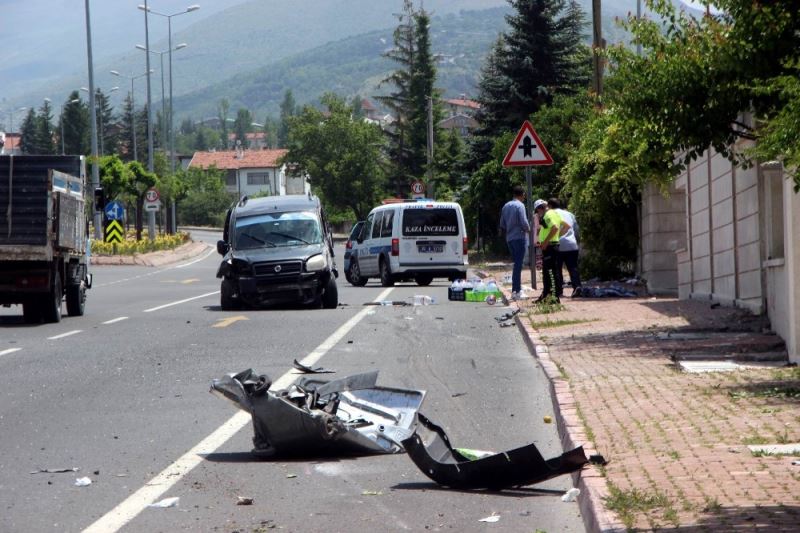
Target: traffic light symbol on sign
113, 231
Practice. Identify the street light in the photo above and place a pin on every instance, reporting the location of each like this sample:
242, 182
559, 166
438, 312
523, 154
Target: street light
101, 126
11, 118
98, 219
133, 108
146, 9
73, 101
163, 100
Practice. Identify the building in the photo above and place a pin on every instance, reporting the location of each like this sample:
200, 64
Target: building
255, 140
729, 235
250, 172
460, 106
10, 143
463, 124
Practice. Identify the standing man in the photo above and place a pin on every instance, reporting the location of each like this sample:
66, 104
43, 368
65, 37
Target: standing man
550, 227
514, 223
567, 247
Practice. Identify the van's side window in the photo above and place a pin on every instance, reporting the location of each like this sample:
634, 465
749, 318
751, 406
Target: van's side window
376, 226
388, 221
367, 229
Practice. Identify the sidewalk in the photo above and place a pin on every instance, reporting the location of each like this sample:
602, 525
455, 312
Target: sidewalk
676, 442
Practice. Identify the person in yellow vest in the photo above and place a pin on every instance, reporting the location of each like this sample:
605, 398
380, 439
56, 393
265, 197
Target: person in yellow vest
551, 227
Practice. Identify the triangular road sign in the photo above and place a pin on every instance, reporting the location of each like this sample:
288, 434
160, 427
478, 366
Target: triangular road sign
527, 149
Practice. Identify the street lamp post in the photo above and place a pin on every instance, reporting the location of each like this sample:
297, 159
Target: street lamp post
73, 101
133, 108
189, 9
98, 220
163, 98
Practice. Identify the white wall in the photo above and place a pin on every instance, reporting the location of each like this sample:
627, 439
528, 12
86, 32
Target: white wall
663, 234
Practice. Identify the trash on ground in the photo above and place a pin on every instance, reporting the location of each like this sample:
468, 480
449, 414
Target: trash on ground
422, 299
506, 324
491, 299
83, 482
290, 476
55, 470
597, 459
457, 394
775, 449
244, 500
166, 502
438, 460
548, 419
371, 493
388, 303
473, 454
571, 495
309, 370
507, 316
603, 292
491, 519
348, 415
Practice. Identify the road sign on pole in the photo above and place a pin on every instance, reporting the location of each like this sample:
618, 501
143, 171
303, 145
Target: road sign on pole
417, 189
114, 211
526, 151
113, 231
152, 200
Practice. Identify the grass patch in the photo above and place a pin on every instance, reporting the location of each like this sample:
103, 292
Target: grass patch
674, 455
631, 504
548, 306
712, 506
755, 439
559, 323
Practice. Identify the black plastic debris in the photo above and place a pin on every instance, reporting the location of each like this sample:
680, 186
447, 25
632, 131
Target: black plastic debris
309, 370
398, 303
603, 292
522, 466
507, 316
312, 416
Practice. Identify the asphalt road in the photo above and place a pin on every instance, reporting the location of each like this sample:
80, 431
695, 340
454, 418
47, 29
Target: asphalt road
122, 394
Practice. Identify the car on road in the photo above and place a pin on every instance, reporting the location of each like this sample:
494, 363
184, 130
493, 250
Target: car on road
348, 247
277, 250
410, 240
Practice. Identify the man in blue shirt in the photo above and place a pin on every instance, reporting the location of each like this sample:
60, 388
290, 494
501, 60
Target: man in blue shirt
514, 223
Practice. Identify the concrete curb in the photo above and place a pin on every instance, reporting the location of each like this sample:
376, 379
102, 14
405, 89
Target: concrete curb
154, 259
589, 480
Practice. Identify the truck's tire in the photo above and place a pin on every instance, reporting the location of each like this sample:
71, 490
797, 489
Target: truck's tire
76, 299
226, 300
51, 310
330, 297
31, 312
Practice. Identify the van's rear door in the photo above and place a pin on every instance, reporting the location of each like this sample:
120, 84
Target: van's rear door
431, 236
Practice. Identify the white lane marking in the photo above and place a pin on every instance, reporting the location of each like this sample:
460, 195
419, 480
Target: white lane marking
118, 319
67, 334
180, 302
10, 350
127, 510
159, 271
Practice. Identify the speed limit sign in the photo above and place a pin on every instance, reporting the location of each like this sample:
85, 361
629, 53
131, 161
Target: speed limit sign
417, 187
151, 195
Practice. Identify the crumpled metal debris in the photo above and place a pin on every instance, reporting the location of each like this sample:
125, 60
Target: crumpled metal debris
522, 466
348, 415
507, 316
310, 370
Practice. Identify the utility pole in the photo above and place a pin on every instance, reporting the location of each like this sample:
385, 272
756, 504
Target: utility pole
597, 46
431, 191
151, 215
98, 217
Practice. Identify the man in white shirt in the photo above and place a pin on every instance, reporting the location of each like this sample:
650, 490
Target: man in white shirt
568, 248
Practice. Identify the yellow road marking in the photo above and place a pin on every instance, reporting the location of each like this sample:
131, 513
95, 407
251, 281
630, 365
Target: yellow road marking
190, 280
225, 322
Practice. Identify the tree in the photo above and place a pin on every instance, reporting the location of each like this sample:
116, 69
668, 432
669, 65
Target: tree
242, 126
541, 55
74, 123
271, 126
44, 137
203, 199
107, 140
129, 124
28, 133
140, 181
222, 113
340, 155
288, 110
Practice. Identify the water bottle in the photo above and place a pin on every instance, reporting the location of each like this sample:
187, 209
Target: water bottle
491, 286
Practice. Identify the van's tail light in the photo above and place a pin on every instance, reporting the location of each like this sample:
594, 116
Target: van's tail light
349, 244
395, 247
465, 246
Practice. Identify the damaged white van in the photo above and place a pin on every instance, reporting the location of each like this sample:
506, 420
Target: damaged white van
410, 240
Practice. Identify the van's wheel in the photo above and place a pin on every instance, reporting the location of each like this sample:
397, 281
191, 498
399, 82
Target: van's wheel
423, 280
226, 300
330, 297
52, 308
31, 312
386, 274
355, 276
76, 299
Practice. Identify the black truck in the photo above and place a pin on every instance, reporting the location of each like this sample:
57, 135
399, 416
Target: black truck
43, 227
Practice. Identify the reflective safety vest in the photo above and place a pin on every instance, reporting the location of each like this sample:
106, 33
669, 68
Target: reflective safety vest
550, 219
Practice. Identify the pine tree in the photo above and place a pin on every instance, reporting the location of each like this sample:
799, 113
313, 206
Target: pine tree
541, 55
74, 123
288, 110
44, 137
27, 132
242, 126
106, 139
222, 113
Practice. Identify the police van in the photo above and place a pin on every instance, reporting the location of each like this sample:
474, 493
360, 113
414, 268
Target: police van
410, 240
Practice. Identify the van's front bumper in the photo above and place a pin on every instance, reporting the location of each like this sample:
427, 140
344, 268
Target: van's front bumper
305, 289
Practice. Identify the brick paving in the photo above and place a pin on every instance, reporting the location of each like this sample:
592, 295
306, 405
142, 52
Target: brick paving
676, 442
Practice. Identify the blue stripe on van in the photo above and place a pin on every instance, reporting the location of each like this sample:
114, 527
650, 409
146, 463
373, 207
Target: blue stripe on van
375, 250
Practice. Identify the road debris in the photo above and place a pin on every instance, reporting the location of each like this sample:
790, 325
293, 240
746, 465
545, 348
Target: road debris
548, 419
83, 482
166, 502
491, 519
442, 463
309, 370
507, 316
55, 470
371, 493
348, 415
571, 495
389, 303
291, 476
244, 500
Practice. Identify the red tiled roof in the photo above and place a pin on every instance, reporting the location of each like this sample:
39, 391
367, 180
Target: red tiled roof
463, 102
366, 105
249, 136
12, 141
226, 159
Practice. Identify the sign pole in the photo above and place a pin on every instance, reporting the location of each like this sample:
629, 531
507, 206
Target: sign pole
531, 239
